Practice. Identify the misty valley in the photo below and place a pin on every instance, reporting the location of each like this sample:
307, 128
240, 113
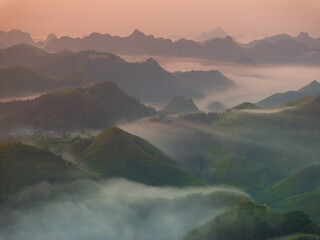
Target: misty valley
144, 138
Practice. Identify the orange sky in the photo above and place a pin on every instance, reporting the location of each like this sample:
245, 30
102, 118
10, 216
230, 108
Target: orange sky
253, 18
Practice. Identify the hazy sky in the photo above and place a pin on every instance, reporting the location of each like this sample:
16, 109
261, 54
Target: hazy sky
253, 18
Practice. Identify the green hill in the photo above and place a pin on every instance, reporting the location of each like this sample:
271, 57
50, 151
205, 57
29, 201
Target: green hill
302, 181
98, 106
180, 105
306, 107
300, 190
22, 165
245, 105
115, 153
312, 89
254, 223
249, 150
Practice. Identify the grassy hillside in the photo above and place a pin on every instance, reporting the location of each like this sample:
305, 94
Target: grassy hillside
254, 223
302, 181
312, 89
306, 107
300, 190
22, 165
115, 153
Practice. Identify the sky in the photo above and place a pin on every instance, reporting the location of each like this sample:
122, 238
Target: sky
168, 18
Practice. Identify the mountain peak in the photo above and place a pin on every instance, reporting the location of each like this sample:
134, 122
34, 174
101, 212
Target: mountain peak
51, 36
152, 61
303, 35
180, 104
311, 88
137, 33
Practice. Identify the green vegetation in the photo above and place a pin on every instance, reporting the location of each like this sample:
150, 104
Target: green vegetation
300, 190
95, 107
312, 89
254, 222
115, 153
22, 165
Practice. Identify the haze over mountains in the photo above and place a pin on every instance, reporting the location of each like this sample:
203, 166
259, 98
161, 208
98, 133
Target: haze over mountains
84, 156
147, 80
214, 33
279, 49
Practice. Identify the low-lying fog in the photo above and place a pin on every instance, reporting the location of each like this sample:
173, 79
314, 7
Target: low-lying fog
254, 83
114, 209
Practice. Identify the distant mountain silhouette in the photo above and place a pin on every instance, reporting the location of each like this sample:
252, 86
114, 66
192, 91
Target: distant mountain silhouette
214, 33
45, 42
147, 81
280, 49
14, 37
303, 37
216, 106
180, 105
23, 54
312, 89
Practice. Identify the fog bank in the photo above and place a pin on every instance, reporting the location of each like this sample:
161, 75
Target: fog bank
108, 210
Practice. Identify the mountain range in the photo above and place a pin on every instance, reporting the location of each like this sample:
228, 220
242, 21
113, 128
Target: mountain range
303, 37
279, 49
214, 33
147, 81
284, 51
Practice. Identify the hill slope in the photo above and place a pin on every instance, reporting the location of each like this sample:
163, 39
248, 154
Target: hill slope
22, 165
312, 89
301, 190
254, 223
98, 106
115, 153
